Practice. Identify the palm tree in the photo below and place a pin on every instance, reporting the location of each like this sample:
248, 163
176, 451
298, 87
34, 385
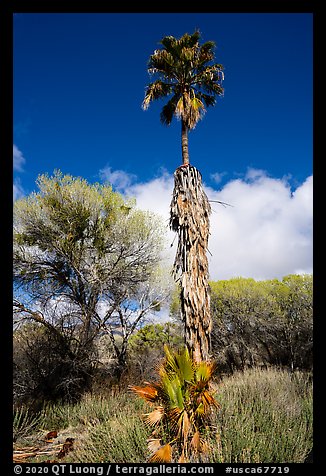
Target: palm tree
183, 402
185, 72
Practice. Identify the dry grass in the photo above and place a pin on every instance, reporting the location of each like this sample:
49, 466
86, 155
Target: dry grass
265, 417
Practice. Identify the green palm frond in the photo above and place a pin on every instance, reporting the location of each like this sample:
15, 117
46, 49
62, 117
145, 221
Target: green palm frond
171, 387
155, 90
162, 61
168, 111
187, 55
207, 99
184, 70
189, 40
205, 371
169, 43
206, 52
179, 363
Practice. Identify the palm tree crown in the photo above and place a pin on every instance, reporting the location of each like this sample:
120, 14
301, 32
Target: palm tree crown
186, 73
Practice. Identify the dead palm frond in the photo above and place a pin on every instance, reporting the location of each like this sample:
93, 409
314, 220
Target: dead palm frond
189, 218
185, 73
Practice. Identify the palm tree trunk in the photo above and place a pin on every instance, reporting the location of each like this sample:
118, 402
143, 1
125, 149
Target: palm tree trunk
184, 143
189, 217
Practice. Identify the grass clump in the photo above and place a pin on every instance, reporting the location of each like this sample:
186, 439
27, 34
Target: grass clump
24, 423
89, 410
114, 431
118, 440
265, 417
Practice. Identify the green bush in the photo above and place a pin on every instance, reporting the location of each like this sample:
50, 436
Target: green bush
265, 417
262, 322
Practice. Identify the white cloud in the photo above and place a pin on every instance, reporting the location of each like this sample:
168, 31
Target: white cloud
217, 176
154, 195
266, 233
119, 179
18, 190
18, 163
18, 159
254, 174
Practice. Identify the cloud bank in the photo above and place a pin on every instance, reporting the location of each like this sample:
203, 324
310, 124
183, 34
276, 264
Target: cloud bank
18, 166
265, 234
18, 159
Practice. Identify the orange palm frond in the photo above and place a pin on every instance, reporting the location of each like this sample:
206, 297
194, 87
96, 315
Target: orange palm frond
182, 458
209, 400
148, 393
195, 442
162, 455
198, 444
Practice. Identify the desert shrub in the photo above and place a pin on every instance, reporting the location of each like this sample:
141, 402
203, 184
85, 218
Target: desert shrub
266, 416
47, 367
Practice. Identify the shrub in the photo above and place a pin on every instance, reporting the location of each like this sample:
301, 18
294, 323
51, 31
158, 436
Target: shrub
266, 416
183, 402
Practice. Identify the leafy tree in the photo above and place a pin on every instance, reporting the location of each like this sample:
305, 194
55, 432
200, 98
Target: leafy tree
242, 310
186, 73
146, 348
154, 335
260, 322
85, 260
294, 296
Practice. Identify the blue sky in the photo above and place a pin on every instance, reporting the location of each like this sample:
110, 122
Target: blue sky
79, 81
